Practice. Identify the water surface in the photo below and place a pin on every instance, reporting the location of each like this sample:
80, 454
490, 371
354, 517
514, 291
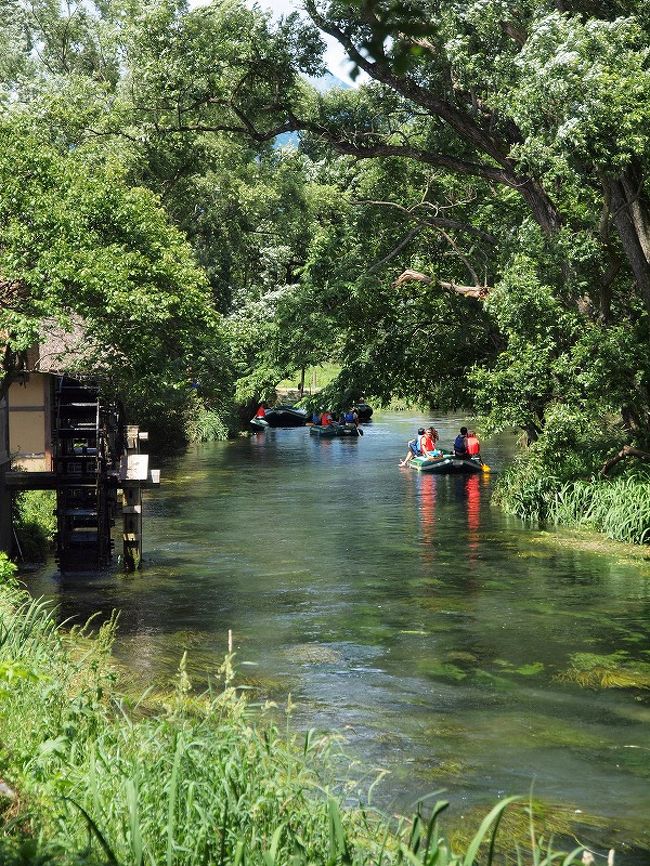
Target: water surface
398, 608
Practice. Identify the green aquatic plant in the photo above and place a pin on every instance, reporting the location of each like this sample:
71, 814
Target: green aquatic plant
186, 780
613, 671
527, 822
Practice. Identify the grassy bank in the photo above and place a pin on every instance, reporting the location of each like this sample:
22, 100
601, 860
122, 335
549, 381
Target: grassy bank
90, 777
618, 507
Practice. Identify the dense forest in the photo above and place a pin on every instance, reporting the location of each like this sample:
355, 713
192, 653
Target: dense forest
468, 227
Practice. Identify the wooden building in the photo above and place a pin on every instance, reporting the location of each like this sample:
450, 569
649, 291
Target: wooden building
57, 432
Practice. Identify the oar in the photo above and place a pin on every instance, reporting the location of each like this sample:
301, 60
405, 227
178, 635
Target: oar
485, 468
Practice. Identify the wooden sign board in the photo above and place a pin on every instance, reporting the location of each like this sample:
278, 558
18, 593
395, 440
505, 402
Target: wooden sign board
134, 467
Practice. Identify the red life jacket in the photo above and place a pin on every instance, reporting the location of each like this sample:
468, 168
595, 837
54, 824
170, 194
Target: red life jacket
325, 419
473, 446
260, 412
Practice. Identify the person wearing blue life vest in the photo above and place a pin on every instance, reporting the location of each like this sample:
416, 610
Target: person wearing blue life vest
350, 417
416, 448
460, 443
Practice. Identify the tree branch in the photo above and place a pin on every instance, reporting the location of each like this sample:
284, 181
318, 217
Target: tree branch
479, 293
626, 451
462, 123
435, 221
400, 246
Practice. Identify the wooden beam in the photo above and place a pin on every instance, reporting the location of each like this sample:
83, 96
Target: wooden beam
6, 526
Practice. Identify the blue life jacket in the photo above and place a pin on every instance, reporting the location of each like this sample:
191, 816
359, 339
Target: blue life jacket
459, 444
348, 417
414, 445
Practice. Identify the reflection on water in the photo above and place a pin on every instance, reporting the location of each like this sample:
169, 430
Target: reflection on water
398, 607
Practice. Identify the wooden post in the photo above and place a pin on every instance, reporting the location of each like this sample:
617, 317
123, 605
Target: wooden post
132, 531
6, 502
6, 524
134, 469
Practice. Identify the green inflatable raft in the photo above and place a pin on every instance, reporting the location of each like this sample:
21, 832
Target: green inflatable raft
332, 431
447, 465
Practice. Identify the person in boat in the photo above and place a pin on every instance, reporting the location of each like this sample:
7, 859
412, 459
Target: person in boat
460, 443
326, 419
261, 411
315, 417
430, 442
473, 445
350, 417
415, 447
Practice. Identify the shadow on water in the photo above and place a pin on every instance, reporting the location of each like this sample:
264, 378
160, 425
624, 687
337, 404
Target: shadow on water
397, 607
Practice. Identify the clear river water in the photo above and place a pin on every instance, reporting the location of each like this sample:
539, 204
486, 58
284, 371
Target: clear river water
402, 610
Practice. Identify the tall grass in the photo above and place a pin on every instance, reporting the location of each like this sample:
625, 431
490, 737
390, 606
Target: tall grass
619, 508
203, 424
175, 781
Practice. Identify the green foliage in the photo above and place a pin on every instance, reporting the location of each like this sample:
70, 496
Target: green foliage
204, 424
619, 508
35, 523
7, 568
182, 779
84, 248
534, 487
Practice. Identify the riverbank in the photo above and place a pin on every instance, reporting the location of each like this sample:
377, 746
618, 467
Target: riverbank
90, 776
618, 508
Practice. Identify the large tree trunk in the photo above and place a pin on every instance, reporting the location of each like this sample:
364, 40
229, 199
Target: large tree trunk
542, 207
630, 217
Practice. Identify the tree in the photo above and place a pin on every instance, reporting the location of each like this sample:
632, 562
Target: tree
87, 249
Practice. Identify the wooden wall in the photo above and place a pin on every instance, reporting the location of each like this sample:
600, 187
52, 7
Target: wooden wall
30, 422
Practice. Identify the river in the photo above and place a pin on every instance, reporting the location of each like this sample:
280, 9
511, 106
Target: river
400, 609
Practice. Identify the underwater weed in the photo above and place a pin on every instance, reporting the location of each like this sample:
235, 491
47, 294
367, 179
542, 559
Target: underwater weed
200, 780
613, 671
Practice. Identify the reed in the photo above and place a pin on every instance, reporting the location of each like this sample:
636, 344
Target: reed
87, 778
619, 508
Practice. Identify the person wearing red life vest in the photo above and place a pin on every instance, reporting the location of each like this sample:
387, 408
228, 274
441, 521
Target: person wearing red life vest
429, 443
261, 411
326, 419
473, 445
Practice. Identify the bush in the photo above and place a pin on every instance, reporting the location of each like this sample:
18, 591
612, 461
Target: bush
527, 488
203, 424
7, 568
35, 523
619, 508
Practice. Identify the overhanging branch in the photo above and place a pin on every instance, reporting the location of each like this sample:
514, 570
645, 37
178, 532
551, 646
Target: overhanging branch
623, 454
479, 293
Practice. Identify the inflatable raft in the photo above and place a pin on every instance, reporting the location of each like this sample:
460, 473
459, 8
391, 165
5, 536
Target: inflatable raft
280, 416
447, 464
332, 431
